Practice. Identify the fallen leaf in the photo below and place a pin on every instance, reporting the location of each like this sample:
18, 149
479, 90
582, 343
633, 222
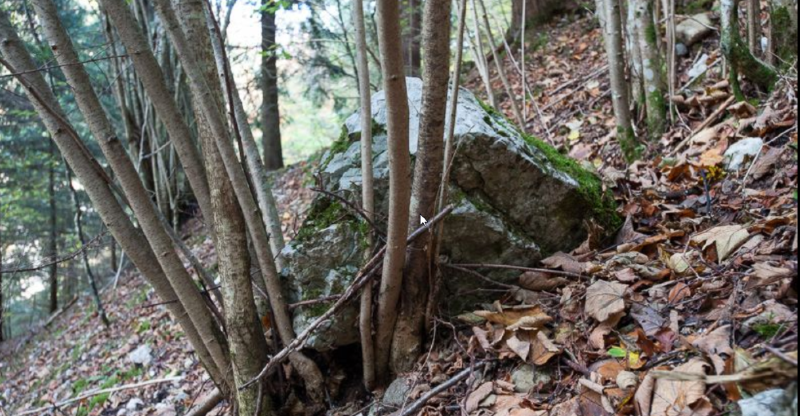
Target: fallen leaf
649, 318
542, 282
627, 380
605, 299
725, 238
521, 348
543, 349
673, 397
528, 318
569, 264
476, 397
643, 398
626, 275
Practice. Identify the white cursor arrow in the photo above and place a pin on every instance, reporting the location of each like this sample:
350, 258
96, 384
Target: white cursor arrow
422, 220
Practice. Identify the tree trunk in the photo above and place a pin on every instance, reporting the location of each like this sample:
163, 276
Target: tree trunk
270, 111
753, 25
247, 342
736, 52
411, 12
501, 71
652, 68
2, 304
480, 57
394, 83
611, 21
184, 288
152, 78
212, 111
783, 33
258, 172
530, 11
634, 58
367, 188
409, 332
52, 245
98, 303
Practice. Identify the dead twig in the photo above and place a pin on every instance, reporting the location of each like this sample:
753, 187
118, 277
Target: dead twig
420, 403
711, 119
522, 269
362, 278
780, 354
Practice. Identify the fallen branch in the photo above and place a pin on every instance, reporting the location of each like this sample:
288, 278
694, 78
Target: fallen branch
209, 403
420, 403
520, 268
93, 242
98, 392
362, 278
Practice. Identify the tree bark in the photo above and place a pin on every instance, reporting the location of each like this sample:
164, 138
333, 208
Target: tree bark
246, 338
652, 68
270, 110
152, 78
611, 21
367, 189
394, 83
212, 112
411, 12
753, 25
17, 59
480, 57
409, 332
736, 52
144, 209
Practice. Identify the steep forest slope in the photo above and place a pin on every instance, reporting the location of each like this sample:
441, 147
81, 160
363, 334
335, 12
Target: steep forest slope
689, 310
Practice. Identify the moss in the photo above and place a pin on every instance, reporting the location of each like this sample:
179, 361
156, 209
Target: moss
589, 185
323, 215
651, 35
656, 120
784, 36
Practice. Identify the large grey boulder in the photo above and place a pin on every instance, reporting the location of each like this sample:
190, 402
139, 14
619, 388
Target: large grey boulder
695, 28
516, 200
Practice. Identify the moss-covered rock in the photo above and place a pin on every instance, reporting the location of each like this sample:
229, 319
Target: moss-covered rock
516, 199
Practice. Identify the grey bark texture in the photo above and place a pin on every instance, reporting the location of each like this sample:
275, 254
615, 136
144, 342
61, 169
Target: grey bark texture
394, 83
409, 332
100, 126
270, 111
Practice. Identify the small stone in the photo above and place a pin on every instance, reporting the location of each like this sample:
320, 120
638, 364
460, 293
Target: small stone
771, 403
134, 404
142, 355
397, 393
681, 49
695, 29
122, 412
188, 363
527, 377
700, 67
741, 152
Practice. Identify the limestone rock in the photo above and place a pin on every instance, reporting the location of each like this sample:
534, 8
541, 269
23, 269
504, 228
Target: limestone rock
741, 152
516, 199
694, 29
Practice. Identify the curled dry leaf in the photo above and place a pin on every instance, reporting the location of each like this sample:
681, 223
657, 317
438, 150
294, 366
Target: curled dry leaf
674, 395
605, 300
528, 318
627, 380
570, 264
542, 282
726, 239
643, 398
520, 347
474, 400
543, 349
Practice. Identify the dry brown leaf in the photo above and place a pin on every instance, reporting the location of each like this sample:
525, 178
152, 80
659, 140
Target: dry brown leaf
569, 264
726, 239
476, 397
605, 299
520, 347
543, 349
643, 398
542, 282
672, 397
528, 318
627, 380
626, 275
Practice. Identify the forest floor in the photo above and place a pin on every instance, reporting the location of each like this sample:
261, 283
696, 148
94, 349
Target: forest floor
699, 282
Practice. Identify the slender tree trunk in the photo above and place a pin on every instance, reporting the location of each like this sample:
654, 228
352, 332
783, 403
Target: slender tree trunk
652, 68
52, 246
145, 211
212, 111
611, 21
411, 12
394, 83
270, 111
248, 345
501, 70
258, 172
737, 54
753, 25
2, 303
634, 57
410, 329
367, 188
152, 78
17, 59
98, 303
480, 57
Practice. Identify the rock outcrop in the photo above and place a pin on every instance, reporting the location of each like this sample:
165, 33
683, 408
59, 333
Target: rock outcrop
517, 199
